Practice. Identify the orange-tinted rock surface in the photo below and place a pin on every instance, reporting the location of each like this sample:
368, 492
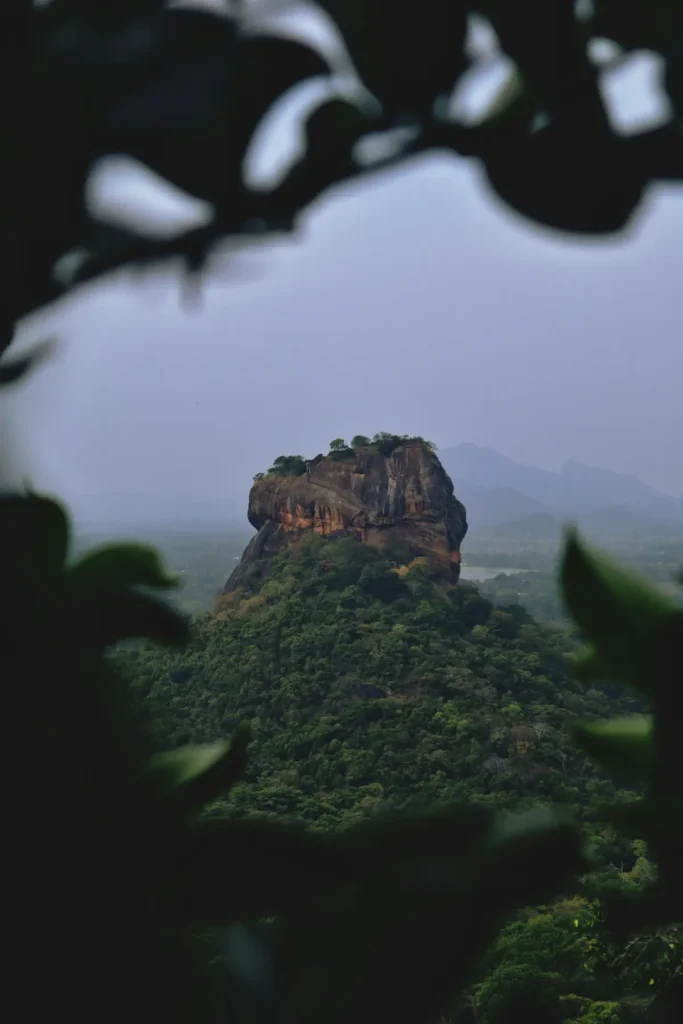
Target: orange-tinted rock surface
404, 498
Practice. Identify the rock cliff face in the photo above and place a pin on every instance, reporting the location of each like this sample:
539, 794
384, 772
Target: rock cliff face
404, 498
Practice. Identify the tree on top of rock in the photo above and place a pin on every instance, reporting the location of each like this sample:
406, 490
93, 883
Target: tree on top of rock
288, 465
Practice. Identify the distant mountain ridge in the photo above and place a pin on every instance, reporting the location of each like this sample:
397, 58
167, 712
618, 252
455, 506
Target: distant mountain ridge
488, 506
496, 491
500, 487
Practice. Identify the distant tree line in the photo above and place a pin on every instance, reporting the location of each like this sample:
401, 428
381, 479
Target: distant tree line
383, 443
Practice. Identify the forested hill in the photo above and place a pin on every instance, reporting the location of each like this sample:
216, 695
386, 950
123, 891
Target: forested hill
369, 685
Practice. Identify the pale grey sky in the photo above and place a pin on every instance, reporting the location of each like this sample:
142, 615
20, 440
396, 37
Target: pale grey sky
412, 303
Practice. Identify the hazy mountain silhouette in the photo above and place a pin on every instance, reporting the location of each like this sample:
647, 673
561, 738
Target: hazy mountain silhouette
495, 490
576, 490
488, 506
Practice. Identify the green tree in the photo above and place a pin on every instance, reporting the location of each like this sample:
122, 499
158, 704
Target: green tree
338, 445
288, 465
599, 1012
520, 992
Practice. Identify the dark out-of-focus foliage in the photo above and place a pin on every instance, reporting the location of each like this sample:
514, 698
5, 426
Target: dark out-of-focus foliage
111, 869
183, 90
106, 842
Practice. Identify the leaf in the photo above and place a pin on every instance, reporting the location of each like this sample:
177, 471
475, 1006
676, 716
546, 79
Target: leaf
530, 856
563, 59
565, 181
193, 776
274, 868
332, 130
14, 370
178, 767
617, 610
258, 868
111, 616
668, 634
652, 819
623, 744
627, 914
39, 532
250, 960
194, 126
589, 667
121, 565
651, 26
400, 844
389, 938
511, 104
406, 56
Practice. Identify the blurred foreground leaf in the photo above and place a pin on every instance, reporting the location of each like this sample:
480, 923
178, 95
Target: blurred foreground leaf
14, 370
193, 776
121, 565
624, 745
617, 611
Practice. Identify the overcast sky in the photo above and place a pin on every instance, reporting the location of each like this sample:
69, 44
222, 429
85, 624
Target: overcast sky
414, 303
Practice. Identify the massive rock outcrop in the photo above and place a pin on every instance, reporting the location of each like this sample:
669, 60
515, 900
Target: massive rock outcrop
405, 498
